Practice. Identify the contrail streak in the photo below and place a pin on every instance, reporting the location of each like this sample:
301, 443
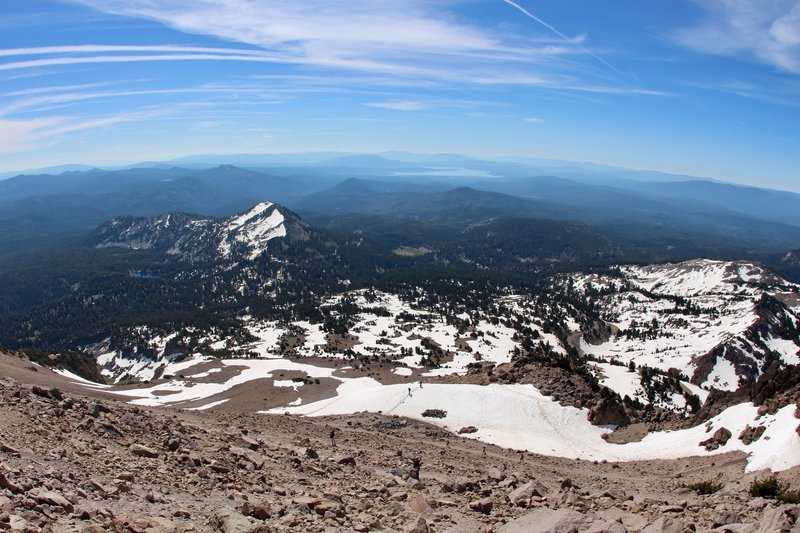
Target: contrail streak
554, 30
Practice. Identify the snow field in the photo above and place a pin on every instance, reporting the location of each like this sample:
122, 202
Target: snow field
513, 416
385, 336
82, 381
375, 334
178, 391
620, 380
519, 417
207, 406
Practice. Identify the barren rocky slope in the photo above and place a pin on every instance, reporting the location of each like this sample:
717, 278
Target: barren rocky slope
74, 460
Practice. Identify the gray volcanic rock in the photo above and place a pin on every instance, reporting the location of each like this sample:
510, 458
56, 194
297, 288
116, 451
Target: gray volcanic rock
547, 521
62, 474
143, 451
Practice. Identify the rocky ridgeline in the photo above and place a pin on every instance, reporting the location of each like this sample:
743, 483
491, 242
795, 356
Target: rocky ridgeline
777, 387
70, 463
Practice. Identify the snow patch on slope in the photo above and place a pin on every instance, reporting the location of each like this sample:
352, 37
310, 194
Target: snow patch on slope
691, 278
533, 422
179, 391
239, 221
621, 380
83, 381
723, 377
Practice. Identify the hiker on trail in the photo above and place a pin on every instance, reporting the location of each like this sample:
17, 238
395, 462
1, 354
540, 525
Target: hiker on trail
483, 453
416, 463
333, 438
409, 391
420, 384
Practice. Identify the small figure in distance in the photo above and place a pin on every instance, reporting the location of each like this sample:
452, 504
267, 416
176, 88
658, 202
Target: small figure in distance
416, 464
333, 437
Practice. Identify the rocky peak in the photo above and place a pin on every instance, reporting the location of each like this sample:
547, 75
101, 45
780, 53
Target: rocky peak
195, 238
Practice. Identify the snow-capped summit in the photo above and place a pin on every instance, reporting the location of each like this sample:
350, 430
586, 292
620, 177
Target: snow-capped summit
253, 229
195, 238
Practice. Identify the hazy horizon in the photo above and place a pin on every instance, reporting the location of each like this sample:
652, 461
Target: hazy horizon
706, 89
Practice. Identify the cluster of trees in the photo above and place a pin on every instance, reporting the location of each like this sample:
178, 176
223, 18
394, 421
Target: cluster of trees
660, 386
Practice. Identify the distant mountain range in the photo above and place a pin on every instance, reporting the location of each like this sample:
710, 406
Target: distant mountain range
647, 216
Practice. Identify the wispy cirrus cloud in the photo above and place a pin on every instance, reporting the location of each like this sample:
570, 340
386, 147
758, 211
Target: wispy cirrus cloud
79, 60
775, 91
42, 115
766, 31
102, 48
56, 89
59, 99
96, 53
314, 28
401, 56
417, 39
22, 135
398, 106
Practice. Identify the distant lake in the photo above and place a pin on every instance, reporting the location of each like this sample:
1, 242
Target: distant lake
144, 274
454, 172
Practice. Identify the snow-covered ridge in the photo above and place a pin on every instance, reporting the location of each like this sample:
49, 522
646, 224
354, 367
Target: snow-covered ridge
718, 322
202, 238
701, 277
239, 221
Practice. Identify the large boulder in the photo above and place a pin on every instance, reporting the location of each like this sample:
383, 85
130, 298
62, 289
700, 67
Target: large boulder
666, 525
42, 495
751, 434
544, 520
609, 412
720, 438
521, 496
484, 505
143, 451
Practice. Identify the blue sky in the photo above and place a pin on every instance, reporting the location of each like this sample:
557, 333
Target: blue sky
707, 88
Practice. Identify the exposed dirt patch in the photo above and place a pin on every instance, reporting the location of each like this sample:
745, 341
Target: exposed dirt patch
336, 343
631, 433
